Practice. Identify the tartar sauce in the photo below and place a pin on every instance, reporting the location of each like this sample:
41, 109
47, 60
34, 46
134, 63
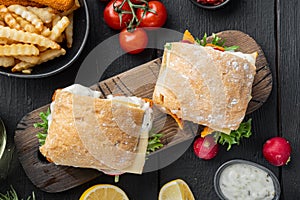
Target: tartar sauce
244, 181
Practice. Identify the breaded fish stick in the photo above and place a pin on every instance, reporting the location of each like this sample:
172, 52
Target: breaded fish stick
20, 2
61, 5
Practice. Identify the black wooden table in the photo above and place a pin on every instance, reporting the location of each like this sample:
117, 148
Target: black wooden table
273, 24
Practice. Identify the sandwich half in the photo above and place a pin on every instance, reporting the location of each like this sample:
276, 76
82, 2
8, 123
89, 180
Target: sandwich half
110, 135
204, 85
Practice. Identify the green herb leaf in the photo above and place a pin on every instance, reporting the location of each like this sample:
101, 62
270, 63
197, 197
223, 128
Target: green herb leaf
244, 131
44, 125
12, 195
216, 40
203, 41
231, 48
154, 142
168, 46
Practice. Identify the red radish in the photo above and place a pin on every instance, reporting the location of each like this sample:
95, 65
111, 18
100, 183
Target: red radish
277, 151
206, 148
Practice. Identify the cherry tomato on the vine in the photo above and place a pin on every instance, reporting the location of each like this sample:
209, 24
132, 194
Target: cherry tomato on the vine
111, 15
153, 19
134, 41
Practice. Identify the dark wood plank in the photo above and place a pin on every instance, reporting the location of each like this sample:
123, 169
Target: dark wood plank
289, 88
19, 97
257, 19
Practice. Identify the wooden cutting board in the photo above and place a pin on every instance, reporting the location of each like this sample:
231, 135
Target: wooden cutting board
139, 81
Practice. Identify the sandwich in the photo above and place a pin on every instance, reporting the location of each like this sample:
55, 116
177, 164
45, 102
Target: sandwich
205, 85
110, 135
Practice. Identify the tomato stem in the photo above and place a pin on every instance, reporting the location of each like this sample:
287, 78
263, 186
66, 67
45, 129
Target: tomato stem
134, 21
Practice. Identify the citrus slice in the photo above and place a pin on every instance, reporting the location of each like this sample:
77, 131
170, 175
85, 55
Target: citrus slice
104, 192
176, 190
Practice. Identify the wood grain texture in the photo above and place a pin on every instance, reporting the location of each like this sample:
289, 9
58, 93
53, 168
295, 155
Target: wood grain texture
257, 19
289, 87
140, 82
19, 97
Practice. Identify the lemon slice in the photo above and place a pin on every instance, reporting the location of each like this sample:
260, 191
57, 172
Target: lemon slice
176, 190
104, 192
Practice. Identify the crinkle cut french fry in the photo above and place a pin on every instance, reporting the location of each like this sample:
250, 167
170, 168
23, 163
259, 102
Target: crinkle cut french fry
42, 49
6, 61
55, 20
21, 66
69, 31
43, 57
30, 59
43, 13
18, 49
4, 41
28, 15
26, 26
46, 32
27, 71
26, 37
60, 38
7, 17
50, 55
3, 9
59, 28
11, 21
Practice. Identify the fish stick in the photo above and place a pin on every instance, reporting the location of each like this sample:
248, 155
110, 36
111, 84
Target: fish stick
20, 2
61, 5
27, 37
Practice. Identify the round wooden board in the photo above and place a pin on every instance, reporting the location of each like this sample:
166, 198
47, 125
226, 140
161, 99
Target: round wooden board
262, 85
52, 178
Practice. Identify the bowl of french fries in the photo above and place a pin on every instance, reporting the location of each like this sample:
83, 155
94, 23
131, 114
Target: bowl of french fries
39, 38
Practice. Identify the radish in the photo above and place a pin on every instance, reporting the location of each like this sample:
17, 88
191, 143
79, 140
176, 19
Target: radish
277, 151
206, 148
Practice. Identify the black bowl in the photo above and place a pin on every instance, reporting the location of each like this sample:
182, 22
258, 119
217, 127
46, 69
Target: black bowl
80, 34
210, 7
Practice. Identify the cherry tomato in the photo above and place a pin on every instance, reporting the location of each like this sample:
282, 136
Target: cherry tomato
111, 15
157, 19
133, 42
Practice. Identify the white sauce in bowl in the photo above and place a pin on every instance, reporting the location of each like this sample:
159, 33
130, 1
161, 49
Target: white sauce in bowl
247, 182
